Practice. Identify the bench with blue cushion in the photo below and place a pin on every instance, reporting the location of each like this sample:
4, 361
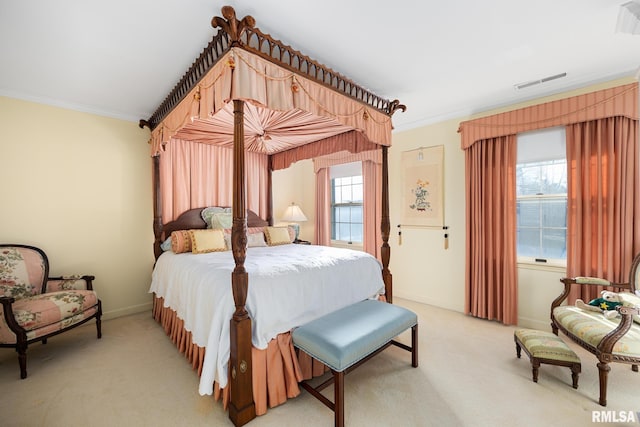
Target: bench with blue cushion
346, 338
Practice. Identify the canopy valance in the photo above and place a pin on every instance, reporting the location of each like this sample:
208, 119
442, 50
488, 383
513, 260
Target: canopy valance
346, 157
290, 100
615, 101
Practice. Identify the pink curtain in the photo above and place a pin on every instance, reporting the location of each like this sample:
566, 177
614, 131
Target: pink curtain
372, 205
491, 280
323, 207
603, 181
197, 175
603, 232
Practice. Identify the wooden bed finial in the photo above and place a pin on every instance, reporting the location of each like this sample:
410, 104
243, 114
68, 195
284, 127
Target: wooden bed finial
395, 106
230, 24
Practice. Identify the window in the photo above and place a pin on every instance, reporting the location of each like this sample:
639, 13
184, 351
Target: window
541, 192
346, 203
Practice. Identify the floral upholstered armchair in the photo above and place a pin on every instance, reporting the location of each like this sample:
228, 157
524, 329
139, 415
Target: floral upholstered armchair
35, 306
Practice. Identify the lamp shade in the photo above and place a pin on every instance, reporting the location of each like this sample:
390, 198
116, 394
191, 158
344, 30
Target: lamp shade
293, 213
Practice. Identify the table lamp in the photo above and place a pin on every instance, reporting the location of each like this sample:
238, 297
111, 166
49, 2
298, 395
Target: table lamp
293, 215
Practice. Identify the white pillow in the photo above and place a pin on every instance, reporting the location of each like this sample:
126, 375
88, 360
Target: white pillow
256, 240
207, 214
166, 245
221, 220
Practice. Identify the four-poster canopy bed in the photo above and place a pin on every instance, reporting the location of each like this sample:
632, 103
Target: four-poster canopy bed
250, 98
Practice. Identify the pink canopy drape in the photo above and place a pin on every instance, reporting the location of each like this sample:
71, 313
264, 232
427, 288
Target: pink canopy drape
287, 116
284, 110
195, 175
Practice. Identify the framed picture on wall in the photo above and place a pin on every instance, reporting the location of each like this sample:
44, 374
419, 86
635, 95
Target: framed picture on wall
423, 186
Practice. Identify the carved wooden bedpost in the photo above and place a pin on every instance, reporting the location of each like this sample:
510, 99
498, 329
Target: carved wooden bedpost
157, 207
241, 406
270, 216
385, 228
157, 197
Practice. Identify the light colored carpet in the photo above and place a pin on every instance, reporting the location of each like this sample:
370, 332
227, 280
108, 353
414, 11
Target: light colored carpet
468, 376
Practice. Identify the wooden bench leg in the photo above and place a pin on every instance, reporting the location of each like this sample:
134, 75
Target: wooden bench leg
535, 365
518, 349
603, 370
634, 368
338, 387
414, 346
575, 371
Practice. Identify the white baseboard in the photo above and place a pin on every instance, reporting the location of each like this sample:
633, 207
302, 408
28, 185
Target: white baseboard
426, 300
523, 322
134, 309
534, 324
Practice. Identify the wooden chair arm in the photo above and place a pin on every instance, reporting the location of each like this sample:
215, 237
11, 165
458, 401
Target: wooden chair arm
629, 310
9, 317
7, 301
565, 293
597, 282
609, 340
594, 281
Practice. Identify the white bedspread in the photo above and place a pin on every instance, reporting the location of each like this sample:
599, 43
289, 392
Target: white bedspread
289, 285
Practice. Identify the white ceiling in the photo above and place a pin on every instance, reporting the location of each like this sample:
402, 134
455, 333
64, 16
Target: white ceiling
442, 59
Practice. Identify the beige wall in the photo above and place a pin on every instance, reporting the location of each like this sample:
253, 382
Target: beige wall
79, 187
296, 184
423, 270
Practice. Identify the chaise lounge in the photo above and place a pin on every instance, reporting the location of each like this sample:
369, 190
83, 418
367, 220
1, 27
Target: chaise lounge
610, 340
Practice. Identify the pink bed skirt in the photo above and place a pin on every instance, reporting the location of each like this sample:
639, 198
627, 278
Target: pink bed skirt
277, 370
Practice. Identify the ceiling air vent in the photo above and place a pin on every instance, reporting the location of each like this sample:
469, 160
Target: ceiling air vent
537, 82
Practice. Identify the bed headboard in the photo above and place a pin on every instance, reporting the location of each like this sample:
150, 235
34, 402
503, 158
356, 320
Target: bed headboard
193, 219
